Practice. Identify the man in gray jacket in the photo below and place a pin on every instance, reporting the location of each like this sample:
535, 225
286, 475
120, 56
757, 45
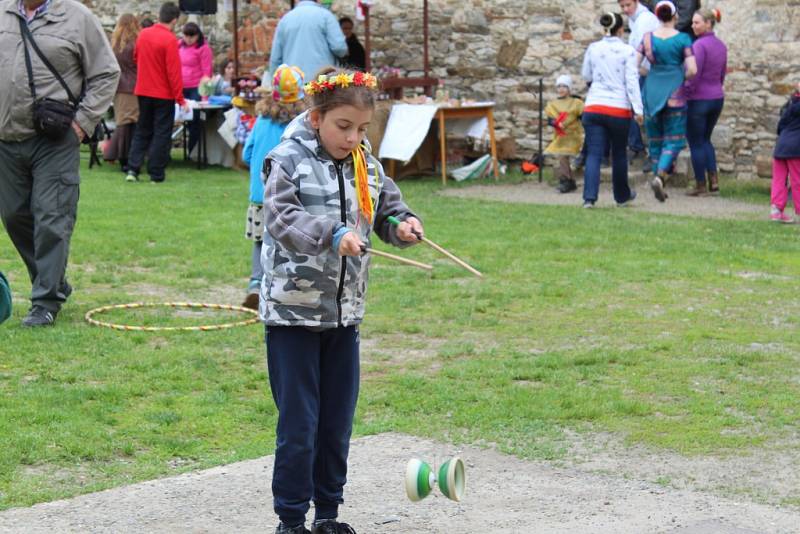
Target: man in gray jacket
39, 175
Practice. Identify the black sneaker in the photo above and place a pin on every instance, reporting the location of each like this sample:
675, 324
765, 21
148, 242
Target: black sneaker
331, 526
39, 316
299, 529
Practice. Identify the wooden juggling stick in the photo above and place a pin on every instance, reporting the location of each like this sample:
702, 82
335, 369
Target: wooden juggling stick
395, 221
397, 258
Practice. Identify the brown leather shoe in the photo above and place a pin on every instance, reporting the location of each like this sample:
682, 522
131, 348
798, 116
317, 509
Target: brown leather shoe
658, 186
699, 190
713, 182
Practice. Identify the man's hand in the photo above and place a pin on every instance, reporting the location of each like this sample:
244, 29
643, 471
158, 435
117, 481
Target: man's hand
639, 119
410, 230
78, 131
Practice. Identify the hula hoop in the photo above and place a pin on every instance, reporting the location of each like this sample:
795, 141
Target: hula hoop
202, 305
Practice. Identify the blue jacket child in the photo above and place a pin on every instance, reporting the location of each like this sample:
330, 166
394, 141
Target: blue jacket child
788, 144
786, 161
275, 112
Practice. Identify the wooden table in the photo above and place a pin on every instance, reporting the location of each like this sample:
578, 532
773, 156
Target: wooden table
467, 111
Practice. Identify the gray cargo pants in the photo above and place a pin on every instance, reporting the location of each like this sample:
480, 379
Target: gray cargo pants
39, 190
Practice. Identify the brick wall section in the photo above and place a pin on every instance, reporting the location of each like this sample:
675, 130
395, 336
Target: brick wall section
498, 50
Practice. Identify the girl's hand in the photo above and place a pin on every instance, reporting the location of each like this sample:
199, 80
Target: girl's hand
350, 245
410, 230
639, 119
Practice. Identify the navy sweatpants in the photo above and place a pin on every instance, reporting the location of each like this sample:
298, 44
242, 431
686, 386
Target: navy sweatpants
314, 378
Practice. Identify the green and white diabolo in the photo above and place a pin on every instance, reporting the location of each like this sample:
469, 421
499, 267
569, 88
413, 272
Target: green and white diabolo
420, 479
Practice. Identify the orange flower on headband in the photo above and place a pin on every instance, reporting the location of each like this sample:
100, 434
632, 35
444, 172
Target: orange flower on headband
329, 83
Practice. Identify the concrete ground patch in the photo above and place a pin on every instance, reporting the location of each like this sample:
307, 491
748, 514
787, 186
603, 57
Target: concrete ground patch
504, 494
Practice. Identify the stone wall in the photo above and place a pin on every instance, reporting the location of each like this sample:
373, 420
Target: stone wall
499, 49
257, 21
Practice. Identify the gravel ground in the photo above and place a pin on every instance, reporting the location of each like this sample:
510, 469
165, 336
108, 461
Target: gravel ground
504, 494
678, 202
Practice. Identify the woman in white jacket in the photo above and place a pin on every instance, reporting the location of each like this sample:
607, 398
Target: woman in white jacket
610, 67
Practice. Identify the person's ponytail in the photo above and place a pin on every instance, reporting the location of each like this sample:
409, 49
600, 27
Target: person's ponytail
611, 23
711, 16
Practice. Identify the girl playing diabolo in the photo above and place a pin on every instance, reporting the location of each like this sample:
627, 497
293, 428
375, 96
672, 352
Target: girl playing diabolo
324, 196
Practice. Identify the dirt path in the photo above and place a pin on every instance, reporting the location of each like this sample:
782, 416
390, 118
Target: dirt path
504, 494
678, 202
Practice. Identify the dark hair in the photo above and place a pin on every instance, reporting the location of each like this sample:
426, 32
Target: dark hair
359, 96
611, 22
224, 65
346, 19
168, 13
146, 22
664, 13
190, 29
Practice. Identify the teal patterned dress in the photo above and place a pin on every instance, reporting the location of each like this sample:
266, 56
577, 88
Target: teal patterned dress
663, 98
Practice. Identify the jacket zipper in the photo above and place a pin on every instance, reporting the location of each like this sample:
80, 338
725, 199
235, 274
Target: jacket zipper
343, 214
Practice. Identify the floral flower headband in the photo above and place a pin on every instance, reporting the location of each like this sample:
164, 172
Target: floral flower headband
329, 83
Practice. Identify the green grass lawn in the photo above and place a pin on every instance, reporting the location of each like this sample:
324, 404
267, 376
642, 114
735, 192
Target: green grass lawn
673, 332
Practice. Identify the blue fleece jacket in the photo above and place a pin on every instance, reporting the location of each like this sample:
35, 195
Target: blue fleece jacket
265, 136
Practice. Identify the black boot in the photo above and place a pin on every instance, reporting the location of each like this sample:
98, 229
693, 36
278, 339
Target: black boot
566, 185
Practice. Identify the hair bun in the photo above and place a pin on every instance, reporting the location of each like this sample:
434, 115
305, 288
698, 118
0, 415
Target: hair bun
607, 20
717, 14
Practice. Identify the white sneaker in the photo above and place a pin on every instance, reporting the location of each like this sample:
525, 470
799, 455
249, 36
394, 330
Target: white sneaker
131, 177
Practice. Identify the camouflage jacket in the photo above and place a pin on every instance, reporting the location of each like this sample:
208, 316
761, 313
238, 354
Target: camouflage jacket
308, 197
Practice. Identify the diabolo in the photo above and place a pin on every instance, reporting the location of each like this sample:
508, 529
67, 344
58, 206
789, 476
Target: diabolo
420, 479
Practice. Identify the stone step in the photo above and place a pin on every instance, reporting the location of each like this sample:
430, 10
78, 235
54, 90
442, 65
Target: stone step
637, 176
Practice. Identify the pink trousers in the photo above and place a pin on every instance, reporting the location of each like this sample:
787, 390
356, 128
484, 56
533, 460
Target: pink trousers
781, 169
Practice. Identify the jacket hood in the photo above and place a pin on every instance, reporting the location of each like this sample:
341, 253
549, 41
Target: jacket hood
300, 131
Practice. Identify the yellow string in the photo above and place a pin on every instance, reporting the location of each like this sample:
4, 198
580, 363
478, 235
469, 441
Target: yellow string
365, 203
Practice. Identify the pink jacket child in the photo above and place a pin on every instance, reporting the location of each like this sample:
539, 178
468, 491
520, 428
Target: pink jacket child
196, 57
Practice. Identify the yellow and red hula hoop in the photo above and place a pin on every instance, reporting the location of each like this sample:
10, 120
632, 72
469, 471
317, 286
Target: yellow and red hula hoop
194, 305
